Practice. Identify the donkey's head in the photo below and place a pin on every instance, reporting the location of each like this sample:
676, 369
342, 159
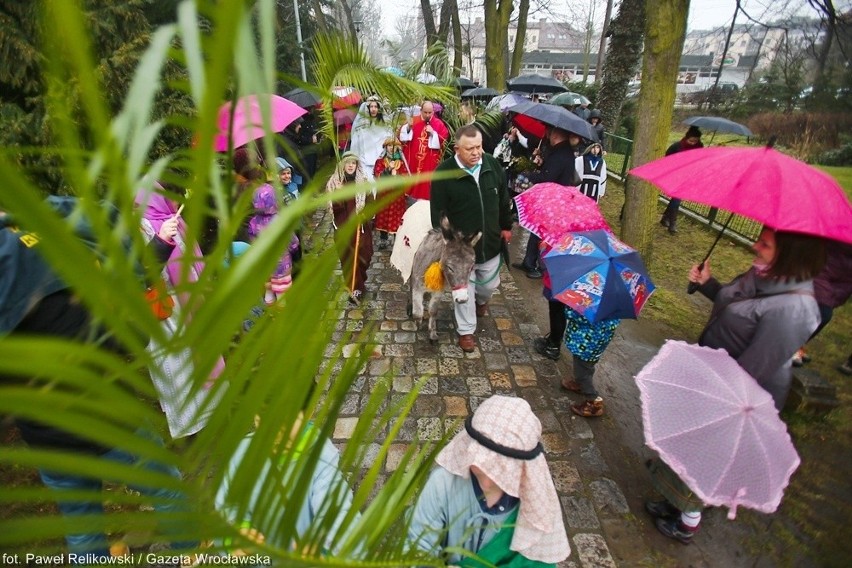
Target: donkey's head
457, 259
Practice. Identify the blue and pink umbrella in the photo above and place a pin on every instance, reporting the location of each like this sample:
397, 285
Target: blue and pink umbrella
598, 276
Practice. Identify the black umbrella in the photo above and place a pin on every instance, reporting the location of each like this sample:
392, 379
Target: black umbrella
303, 98
557, 116
718, 124
480, 92
463, 83
535, 84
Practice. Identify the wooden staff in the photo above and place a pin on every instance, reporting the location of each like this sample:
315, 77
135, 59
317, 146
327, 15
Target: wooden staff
355, 259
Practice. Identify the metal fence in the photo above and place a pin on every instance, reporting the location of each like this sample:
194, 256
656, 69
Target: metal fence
619, 152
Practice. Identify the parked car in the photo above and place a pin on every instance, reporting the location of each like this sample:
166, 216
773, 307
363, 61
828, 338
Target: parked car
712, 95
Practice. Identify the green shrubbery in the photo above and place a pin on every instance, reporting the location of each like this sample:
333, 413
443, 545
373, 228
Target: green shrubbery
808, 136
839, 157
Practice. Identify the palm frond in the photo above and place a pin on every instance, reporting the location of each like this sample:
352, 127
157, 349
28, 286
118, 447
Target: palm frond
292, 354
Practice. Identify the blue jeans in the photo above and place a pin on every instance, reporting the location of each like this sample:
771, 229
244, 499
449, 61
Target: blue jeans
96, 544
670, 214
532, 256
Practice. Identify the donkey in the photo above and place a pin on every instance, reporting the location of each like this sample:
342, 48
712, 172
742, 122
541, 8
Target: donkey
455, 252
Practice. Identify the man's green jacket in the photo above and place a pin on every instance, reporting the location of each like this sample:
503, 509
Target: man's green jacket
471, 208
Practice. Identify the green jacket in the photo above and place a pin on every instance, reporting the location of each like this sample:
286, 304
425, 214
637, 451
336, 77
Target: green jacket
471, 208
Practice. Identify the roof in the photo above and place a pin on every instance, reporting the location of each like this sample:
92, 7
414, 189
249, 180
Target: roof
557, 58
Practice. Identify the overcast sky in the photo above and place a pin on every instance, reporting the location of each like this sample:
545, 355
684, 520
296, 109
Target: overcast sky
703, 14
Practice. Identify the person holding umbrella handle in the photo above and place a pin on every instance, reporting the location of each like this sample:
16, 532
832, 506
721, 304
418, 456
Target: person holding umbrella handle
765, 314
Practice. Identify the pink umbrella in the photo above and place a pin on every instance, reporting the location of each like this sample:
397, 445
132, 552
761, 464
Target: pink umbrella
344, 116
250, 118
716, 427
760, 183
551, 210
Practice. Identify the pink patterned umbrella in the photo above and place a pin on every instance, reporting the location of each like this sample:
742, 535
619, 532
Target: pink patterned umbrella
716, 427
551, 211
253, 113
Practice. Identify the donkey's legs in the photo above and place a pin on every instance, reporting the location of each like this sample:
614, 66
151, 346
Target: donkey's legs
416, 307
434, 300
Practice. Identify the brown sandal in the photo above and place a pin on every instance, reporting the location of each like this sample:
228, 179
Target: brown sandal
571, 385
589, 408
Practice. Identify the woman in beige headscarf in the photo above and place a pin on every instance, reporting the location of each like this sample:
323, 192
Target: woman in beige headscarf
493, 494
355, 252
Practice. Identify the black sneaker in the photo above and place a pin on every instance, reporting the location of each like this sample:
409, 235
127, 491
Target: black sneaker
534, 274
542, 346
661, 509
675, 529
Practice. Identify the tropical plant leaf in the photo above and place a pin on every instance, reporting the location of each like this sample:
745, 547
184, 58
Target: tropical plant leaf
291, 360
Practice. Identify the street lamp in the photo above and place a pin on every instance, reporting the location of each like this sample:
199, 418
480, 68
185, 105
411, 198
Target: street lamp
299, 39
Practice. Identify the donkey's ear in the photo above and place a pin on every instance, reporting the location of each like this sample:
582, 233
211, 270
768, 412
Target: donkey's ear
446, 228
475, 239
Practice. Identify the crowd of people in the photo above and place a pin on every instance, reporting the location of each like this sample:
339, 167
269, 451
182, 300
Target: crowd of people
491, 493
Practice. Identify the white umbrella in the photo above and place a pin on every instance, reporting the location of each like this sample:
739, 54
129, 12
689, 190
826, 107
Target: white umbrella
425, 78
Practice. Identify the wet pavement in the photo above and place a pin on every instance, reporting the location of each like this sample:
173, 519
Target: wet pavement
596, 463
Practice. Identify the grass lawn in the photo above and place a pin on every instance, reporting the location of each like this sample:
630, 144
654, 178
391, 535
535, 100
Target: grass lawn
843, 177
816, 503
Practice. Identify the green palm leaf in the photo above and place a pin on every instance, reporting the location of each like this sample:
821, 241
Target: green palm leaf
292, 354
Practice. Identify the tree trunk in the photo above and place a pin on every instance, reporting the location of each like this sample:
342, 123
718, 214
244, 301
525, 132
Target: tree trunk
520, 38
830, 19
429, 23
458, 50
663, 48
497, 13
322, 24
602, 46
622, 60
587, 43
350, 23
444, 22
713, 98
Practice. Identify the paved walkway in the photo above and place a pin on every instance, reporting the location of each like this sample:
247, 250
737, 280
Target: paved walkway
503, 363
597, 464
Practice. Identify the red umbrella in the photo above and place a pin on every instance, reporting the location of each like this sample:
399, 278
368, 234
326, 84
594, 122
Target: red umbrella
529, 125
345, 97
248, 121
553, 115
551, 211
760, 183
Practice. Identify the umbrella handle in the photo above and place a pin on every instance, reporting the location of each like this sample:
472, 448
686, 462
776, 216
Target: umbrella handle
693, 287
